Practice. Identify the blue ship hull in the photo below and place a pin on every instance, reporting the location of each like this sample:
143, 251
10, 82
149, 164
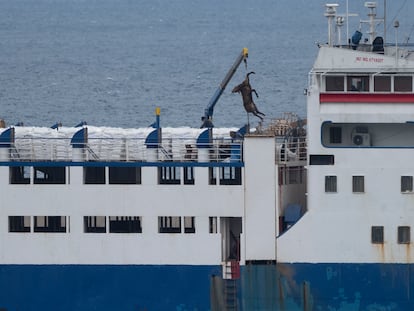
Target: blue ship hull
281, 287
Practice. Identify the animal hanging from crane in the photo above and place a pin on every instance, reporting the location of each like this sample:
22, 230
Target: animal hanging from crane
245, 89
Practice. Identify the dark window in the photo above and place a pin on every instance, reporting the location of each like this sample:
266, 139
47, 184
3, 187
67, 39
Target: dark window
169, 175
19, 175
382, 84
212, 175
49, 224
188, 175
49, 175
334, 83
404, 235
335, 135
377, 234
94, 175
94, 224
321, 159
189, 224
213, 224
358, 83
125, 224
403, 84
169, 224
125, 175
230, 176
406, 183
358, 184
19, 223
330, 184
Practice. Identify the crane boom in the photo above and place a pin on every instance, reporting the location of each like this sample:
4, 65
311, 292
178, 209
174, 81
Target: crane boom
207, 119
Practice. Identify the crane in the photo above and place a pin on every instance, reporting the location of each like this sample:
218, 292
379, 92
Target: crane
207, 119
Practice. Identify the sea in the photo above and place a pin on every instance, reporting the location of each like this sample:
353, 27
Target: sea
112, 62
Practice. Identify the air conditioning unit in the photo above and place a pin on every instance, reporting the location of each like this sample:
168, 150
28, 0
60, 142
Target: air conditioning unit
361, 139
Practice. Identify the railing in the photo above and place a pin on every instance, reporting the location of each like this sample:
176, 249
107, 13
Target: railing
120, 149
291, 150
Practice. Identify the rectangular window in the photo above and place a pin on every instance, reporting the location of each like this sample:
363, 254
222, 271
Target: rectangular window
49, 223
406, 183
169, 175
188, 175
358, 83
377, 234
334, 83
330, 184
19, 174
19, 223
321, 159
169, 224
382, 84
230, 176
94, 175
125, 175
335, 135
403, 84
49, 175
358, 184
125, 224
94, 224
212, 175
212, 224
404, 235
189, 224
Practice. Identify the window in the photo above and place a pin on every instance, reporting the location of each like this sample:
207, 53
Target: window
94, 224
94, 175
212, 224
19, 223
358, 83
321, 159
169, 175
125, 175
169, 224
212, 175
19, 175
358, 185
50, 224
188, 175
335, 135
125, 224
189, 224
406, 183
404, 235
330, 184
49, 175
403, 84
382, 83
230, 176
377, 234
334, 83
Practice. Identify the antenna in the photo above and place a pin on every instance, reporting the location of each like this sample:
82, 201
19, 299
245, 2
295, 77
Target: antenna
330, 13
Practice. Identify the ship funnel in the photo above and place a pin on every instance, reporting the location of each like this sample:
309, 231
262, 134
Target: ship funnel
330, 13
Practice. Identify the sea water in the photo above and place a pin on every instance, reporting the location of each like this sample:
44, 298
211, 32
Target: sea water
111, 62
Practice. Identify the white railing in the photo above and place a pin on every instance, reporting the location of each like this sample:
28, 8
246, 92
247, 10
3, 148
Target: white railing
291, 150
120, 149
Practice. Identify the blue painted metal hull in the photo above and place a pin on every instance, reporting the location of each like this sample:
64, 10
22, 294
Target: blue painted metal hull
94, 287
328, 287
281, 287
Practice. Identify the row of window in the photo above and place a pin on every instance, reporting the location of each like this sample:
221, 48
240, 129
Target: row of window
121, 175
358, 184
105, 224
362, 83
403, 235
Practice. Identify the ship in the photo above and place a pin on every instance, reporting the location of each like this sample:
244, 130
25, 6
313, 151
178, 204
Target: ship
307, 214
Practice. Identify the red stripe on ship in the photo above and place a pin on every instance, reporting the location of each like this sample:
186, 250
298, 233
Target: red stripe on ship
366, 98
